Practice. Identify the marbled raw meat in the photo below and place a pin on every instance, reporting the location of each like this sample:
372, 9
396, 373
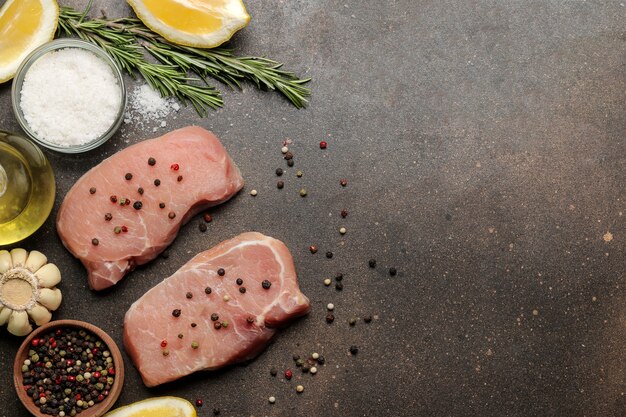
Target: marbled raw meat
206, 176
151, 328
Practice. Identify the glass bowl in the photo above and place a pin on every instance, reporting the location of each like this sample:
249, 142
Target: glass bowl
55, 45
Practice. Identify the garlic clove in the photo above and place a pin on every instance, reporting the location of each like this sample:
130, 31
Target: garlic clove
18, 324
5, 312
51, 299
49, 275
5, 261
18, 256
40, 315
35, 260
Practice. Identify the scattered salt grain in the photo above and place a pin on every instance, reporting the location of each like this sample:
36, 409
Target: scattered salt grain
70, 97
146, 106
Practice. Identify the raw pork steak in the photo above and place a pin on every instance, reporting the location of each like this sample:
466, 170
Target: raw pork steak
202, 317
129, 208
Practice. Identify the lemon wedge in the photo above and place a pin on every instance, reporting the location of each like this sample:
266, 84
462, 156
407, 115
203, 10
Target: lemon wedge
24, 25
156, 407
199, 23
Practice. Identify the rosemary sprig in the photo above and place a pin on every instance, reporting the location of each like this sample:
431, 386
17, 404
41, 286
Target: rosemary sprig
126, 39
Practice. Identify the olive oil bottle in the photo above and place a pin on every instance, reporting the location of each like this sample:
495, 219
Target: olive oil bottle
27, 188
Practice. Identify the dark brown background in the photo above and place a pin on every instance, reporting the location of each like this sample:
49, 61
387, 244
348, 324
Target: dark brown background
483, 142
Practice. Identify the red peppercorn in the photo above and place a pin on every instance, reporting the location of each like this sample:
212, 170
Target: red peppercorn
288, 374
100, 398
97, 374
113, 199
124, 229
199, 402
42, 395
175, 167
57, 380
208, 218
59, 332
313, 249
323, 144
71, 378
344, 213
78, 397
94, 350
53, 344
343, 182
35, 342
111, 371
163, 343
70, 362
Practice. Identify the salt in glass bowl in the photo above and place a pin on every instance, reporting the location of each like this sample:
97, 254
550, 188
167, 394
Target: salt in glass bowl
55, 45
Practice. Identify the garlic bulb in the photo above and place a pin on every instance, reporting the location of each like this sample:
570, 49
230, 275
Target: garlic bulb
27, 290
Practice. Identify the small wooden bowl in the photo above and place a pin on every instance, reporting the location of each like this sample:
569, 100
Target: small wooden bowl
99, 408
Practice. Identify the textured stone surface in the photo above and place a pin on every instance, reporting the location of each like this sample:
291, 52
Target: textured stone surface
483, 142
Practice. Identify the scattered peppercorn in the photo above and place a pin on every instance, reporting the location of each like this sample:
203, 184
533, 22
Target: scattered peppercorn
226, 298
137, 205
193, 324
239, 281
180, 335
290, 163
215, 317
113, 199
216, 411
95, 242
330, 307
166, 352
284, 149
272, 400
266, 284
179, 178
280, 185
367, 319
92, 190
338, 277
199, 403
207, 290
344, 213
108, 217
327, 282
279, 172
354, 350
161, 205
194, 345
174, 167
372, 263
151, 161
221, 272
321, 360
189, 295
253, 193
224, 324
329, 255
128, 176
124, 229
343, 182
288, 374
273, 372
122, 201
393, 271
306, 368
352, 321
339, 286
157, 182
342, 230
207, 218
250, 319
303, 192
313, 249
171, 215
288, 156
313, 370
296, 358
202, 227
217, 325
299, 362
176, 312
299, 174
330, 318
323, 144
117, 230
242, 290
299, 389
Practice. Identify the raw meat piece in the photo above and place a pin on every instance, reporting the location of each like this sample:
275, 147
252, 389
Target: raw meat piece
154, 324
192, 172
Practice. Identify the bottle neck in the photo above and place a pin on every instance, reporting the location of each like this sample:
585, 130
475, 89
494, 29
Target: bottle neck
3, 181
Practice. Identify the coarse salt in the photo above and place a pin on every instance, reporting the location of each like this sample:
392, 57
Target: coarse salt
146, 106
70, 97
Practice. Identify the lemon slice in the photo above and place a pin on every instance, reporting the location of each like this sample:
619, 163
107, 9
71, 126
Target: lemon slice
156, 407
24, 25
199, 23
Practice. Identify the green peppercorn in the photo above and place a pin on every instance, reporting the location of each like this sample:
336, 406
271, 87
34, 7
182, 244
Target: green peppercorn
303, 192
194, 345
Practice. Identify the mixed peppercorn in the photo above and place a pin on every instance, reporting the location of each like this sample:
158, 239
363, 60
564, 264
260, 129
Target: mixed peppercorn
68, 371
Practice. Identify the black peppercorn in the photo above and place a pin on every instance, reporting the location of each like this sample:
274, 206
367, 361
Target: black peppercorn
137, 205
157, 182
338, 277
250, 319
339, 286
207, 290
140, 190
279, 171
151, 161
189, 295
330, 318
108, 216
161, 205
367, 319
372, 263
242, 290
95, 242
393, 271
221, 272
239, 281
273, 372
266, 284
215, 317
280, 185
354, 350
202, 227
290, 163
217, 325
128, 176
176, 313
288, 156
329, 254
321, 360
92, 190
